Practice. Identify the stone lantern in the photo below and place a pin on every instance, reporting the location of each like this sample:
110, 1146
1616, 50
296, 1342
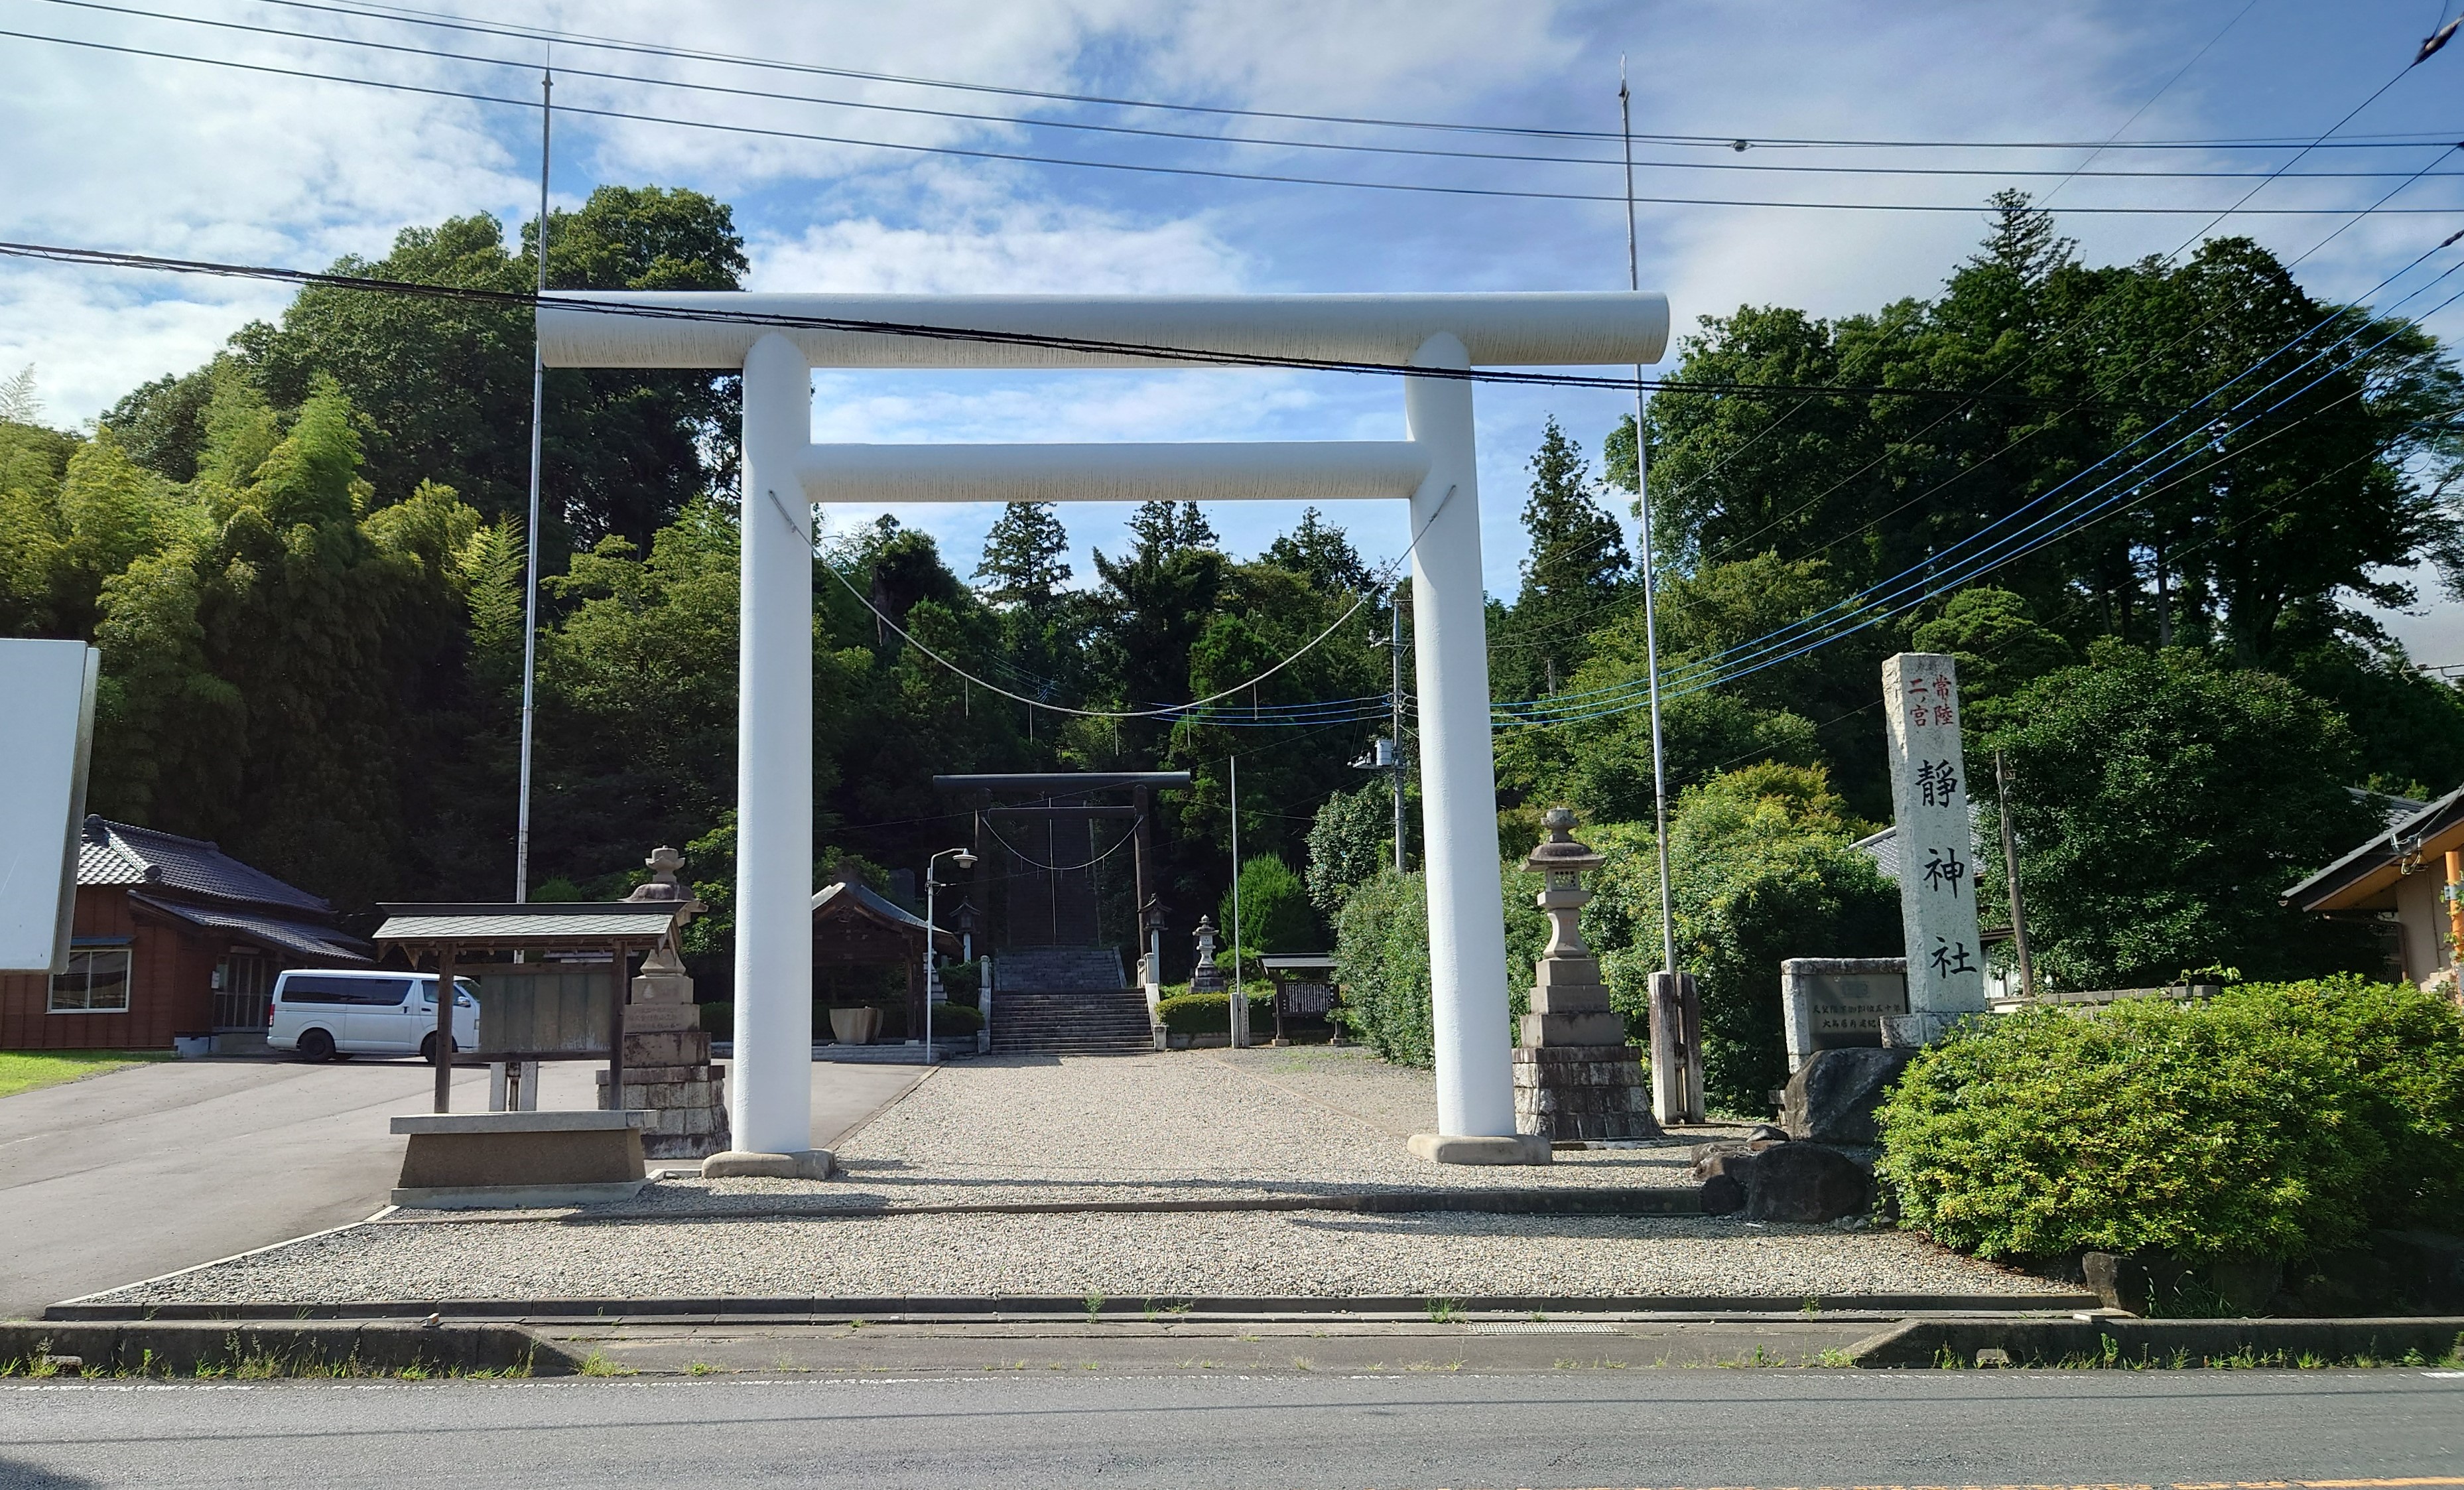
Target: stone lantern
1204, 977
1574, 1076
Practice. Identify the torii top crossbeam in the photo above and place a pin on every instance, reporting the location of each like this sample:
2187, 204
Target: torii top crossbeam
778, 339
1497, 330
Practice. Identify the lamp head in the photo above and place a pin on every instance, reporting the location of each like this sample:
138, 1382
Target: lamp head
964, 859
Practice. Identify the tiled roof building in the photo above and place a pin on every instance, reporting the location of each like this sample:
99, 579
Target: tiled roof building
172, 937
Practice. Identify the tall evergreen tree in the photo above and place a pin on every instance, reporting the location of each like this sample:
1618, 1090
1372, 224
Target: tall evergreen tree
1574, 578
1023, 563
1322, 551
1160, 528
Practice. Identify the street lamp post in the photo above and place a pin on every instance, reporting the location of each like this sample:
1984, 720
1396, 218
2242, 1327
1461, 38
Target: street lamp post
965, 859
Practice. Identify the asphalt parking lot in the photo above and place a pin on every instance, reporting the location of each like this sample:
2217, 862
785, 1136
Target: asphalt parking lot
155, 1168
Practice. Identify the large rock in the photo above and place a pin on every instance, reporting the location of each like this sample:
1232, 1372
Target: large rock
1804, 1182
1832, 1097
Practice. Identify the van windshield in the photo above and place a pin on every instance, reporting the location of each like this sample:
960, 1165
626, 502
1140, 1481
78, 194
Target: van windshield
463, 988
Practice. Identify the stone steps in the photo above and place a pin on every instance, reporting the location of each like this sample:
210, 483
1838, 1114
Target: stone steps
1057, 969
1098, 1020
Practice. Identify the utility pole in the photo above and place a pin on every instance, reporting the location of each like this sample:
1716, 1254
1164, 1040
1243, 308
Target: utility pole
1395, 703
530, 566
1642, 510
2010, 876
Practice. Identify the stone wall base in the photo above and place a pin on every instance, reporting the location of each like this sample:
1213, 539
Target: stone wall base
1568, 1092
668, 1073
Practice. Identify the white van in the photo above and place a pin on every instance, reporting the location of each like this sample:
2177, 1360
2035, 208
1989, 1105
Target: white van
327, 1013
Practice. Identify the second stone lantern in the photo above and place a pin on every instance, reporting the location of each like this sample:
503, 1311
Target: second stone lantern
1574, 1076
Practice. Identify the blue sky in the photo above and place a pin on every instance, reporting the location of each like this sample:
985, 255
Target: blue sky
160, 156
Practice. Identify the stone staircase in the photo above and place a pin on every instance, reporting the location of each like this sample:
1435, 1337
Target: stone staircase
1067, 1001
1057, 969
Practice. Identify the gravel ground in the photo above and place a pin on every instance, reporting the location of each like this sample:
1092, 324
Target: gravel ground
1181, 1126
1122, 1256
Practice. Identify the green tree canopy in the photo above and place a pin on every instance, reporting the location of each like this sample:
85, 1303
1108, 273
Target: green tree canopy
2162, 803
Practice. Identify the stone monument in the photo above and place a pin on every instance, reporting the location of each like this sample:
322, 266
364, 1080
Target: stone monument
1937, 848
1574, 1076
667, 1068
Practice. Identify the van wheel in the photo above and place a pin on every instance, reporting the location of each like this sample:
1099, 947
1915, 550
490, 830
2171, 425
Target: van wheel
427, 1049
316, 1045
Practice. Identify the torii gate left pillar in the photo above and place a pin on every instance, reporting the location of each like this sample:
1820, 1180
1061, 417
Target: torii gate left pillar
777, 340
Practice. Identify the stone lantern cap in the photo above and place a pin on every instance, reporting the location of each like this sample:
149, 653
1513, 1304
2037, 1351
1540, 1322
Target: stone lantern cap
1559, 854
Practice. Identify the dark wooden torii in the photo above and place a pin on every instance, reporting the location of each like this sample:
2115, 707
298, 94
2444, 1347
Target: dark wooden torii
1142, 786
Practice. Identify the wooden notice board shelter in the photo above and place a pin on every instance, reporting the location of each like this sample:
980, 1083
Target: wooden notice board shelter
621, 929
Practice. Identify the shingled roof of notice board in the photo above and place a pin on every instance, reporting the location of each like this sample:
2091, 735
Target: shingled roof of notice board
579, 923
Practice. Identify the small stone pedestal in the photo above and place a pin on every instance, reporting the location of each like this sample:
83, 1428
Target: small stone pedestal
668, 1069
1574, 1076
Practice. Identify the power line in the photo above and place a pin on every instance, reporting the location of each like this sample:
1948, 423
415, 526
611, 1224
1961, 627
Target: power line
2096, 308
1195, 137
1713, 671
1733, 143
2091, 313
1709, 667
1019, 157
530, 301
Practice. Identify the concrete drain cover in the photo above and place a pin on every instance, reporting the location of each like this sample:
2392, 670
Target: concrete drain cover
1540, 1330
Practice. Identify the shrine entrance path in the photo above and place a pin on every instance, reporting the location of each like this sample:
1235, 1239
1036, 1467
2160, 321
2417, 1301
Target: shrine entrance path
915, 1212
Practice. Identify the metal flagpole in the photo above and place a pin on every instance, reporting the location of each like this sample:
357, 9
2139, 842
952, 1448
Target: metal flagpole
530, 567
1238, 1004
1394, 704
1643, 507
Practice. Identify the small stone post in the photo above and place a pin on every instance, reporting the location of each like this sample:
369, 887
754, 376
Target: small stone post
1574, 1076
1937, 848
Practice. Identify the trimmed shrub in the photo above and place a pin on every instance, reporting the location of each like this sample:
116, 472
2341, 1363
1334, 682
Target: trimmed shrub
1210, 1013
1381, 954
955, 1019
1764, 869
2274, 1121
1275, 915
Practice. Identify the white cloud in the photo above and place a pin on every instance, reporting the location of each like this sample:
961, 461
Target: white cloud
1015, 248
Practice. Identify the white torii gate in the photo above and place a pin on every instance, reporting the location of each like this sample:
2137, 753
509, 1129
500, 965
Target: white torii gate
1434, 470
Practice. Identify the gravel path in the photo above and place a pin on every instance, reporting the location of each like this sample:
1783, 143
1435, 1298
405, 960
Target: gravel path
1185, 1125
1123, 1256
1182, 1126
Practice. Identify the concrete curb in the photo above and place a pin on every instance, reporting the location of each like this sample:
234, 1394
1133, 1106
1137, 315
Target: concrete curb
1642, 1201
179, 1347
1035, 1307
2120, 1340
515, 1197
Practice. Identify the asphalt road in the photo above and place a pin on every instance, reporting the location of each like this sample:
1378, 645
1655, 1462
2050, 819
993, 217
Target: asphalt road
2210, 1429
155, 1168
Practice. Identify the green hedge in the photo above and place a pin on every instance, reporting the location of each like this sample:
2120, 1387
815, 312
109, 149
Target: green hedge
1765, 871
1210, 1013
1381, 953
2272, 1122
955, 1019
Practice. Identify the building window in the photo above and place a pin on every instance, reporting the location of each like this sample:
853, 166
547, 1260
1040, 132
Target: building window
95, 983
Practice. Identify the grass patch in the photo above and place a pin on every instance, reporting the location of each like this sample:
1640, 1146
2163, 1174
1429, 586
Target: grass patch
25, 1071
245, 1361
